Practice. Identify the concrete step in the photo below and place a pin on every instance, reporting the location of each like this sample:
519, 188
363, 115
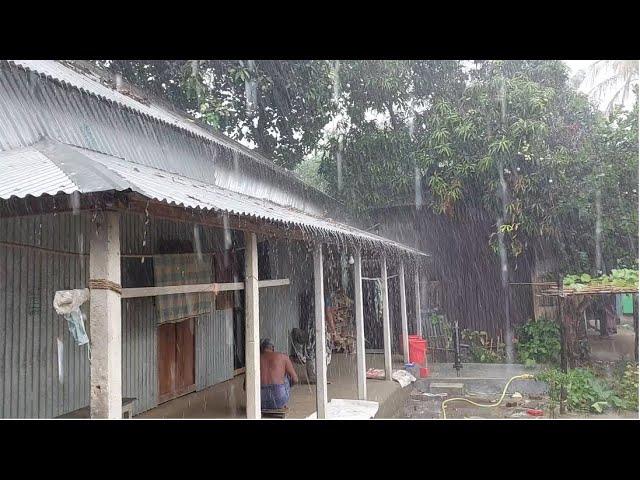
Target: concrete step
488, 386
449, 388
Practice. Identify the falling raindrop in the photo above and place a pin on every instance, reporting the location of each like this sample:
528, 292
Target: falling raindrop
74, 202
197, 241
60, 360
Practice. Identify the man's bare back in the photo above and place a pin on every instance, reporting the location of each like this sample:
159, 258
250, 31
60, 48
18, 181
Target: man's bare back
274, 366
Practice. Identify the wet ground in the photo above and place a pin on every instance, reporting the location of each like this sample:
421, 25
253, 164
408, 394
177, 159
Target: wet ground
480, 383
484, 384
227, 400
432, 409
421, 406
617, 347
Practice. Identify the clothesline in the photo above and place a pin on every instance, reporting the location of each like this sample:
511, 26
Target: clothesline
378, 278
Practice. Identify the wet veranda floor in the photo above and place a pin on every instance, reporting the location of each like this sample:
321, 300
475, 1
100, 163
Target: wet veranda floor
227, 400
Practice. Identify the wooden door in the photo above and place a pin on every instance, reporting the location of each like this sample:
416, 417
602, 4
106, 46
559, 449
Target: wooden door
185, 357
176, 360
166, 361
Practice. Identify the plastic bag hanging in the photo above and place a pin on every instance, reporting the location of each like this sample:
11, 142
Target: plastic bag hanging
67, 303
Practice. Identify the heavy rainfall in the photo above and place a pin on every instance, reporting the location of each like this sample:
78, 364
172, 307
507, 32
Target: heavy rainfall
319, 239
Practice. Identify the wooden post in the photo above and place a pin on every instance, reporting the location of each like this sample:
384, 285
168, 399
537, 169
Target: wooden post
403, 313
563, 346
360, 349
321, 341
252, 326
418, 309
386, 324
105, 319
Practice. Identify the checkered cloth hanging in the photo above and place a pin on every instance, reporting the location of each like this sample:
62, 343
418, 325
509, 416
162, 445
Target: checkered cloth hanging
182, 269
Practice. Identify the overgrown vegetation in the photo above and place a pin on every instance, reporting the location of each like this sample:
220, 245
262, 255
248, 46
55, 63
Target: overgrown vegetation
587, 392
538, 341
584, 391
627, 387
482, 348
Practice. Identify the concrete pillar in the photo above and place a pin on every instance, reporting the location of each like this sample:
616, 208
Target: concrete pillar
418, 308
252, 326
359, 310
105, 319
321, 341
386, 323
403, 313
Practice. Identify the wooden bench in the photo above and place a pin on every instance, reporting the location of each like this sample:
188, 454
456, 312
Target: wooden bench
275, 413
84, 412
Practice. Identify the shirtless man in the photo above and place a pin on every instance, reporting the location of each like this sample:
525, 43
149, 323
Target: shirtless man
276, 375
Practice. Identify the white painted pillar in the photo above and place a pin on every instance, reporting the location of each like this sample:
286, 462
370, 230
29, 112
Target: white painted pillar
105, 319
252, 326
361, 363
403, 313
418, 309
321, 340
386, 323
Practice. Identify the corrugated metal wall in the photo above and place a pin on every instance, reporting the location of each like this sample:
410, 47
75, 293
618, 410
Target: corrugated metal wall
139, 353
280, 306
32, 384
139, 339
214, 348
214, 353
469, 271
39, 378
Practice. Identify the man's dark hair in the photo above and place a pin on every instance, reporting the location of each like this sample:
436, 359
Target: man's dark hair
266, 344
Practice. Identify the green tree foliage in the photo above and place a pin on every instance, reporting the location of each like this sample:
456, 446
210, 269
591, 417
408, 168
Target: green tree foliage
515, 120
520, 121
458, 130
280, 106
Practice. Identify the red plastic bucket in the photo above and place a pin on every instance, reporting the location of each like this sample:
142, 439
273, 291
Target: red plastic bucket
417, 351
411, 339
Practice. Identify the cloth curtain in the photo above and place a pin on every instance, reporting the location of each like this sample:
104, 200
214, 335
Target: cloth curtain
182, 269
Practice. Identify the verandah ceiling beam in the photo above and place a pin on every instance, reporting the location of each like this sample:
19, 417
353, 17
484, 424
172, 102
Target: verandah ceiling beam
136, 203
140, 204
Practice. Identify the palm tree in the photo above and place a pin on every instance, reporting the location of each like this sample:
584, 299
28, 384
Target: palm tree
620, 76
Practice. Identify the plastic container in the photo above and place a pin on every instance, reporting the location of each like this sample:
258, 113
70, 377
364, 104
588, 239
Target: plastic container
418, 351
411, 339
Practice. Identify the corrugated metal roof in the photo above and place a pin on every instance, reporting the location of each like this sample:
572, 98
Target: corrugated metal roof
47, 99
67, 169
92, 83
26, 171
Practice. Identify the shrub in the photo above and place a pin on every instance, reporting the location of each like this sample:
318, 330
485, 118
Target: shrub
539, 342
584, 391
627, 387
481, 347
